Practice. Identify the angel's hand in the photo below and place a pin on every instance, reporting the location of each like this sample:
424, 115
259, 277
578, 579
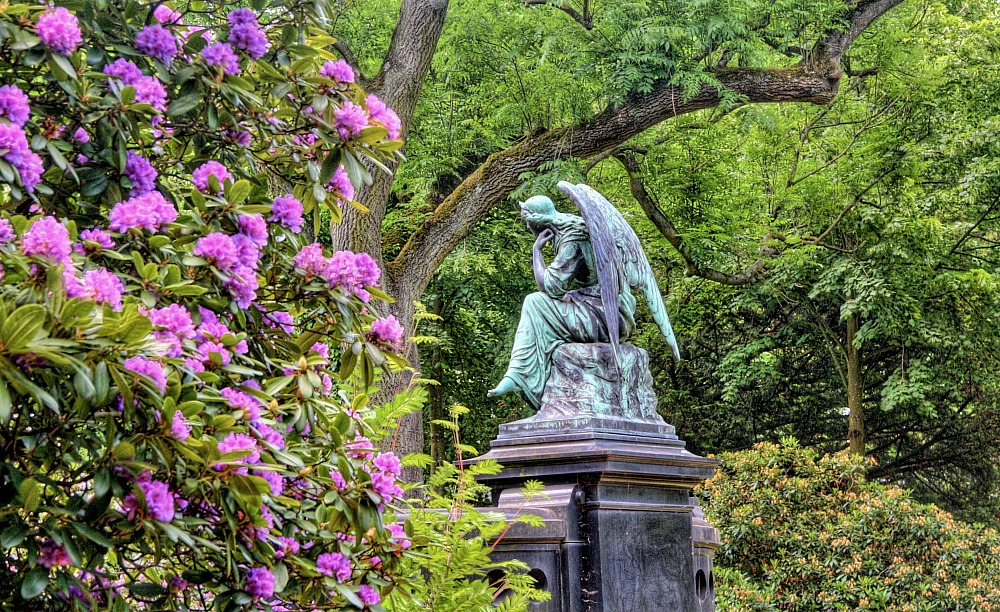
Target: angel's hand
543, 237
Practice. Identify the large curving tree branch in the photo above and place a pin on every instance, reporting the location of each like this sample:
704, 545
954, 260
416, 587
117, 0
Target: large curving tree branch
500, 173
815, 79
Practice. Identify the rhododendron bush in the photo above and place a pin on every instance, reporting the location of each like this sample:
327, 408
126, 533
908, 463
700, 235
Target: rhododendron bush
183, 369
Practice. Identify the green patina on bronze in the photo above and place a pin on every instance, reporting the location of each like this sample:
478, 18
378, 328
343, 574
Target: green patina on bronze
598, 262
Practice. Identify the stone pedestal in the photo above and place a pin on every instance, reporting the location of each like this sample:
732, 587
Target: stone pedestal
621, 532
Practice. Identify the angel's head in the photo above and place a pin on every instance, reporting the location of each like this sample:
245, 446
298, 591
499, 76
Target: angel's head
539, 213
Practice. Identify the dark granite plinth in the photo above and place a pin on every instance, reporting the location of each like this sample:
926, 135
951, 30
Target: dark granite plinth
633, 539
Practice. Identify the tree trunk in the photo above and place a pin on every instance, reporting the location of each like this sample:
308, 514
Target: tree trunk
855, 390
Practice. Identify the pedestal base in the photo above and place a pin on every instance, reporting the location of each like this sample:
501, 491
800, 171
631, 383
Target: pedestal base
630, 530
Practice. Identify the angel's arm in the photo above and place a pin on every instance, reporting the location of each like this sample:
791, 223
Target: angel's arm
558, 277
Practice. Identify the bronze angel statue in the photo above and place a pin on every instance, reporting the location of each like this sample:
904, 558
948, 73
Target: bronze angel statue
585, 293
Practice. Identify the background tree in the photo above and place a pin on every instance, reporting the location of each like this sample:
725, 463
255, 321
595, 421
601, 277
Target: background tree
625, 69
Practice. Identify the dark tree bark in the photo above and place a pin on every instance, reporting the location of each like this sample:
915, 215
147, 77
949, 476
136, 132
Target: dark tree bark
815, 79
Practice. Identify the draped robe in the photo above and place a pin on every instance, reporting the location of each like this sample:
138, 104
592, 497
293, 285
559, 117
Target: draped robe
567, 309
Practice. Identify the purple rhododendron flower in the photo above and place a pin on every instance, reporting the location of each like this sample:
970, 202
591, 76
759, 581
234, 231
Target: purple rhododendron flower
149, 368
71, 284
385, 486
99, 236
338, 71
341, 186
141, 173
247, 251
335, 565
339, 484
179, 427
81, 136
245, 34
240, 137
254, 227
219, 249
389, 463
222, 54
276, 480
269, 434
388, 332
240, 400
149, 90
103, 286
311, 259
385, 116
19, 154
149, 211
322, 349
260, 582
51, 555
236, 442
14, 105
123, 69
211, 168
368, 270
59, 30
48, 238
159, 500
398, 534
280, 319
7, 234
175, 326
166, 15
359, 448
157, 42
368, 595
286, 546
349, 120
242, 285
287, 211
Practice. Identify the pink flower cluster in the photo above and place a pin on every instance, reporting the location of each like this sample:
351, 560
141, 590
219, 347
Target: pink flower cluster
287, 211
387, 332
171, 324
152, 370
340, 186
148, 89
14, 105
59, 30
48, 238
19, 155
245, 33
141, 173
160, 504
338, 71
346, 270
384, 116
207, 338
211, 168
149, 211
349, 120
157, 42
335, 565
222, 55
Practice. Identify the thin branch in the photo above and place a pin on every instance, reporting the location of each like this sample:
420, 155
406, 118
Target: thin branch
666, 227
583, 19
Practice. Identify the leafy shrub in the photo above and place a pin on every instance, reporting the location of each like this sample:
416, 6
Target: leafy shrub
457, 539
184, 416
804, 532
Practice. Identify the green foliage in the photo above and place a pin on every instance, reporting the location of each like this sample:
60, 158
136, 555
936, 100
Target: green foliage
457, 539
801, 531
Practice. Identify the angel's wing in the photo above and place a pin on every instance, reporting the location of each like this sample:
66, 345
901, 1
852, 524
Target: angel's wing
620, 259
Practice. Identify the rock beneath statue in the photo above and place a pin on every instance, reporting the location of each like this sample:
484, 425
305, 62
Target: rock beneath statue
584, 382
